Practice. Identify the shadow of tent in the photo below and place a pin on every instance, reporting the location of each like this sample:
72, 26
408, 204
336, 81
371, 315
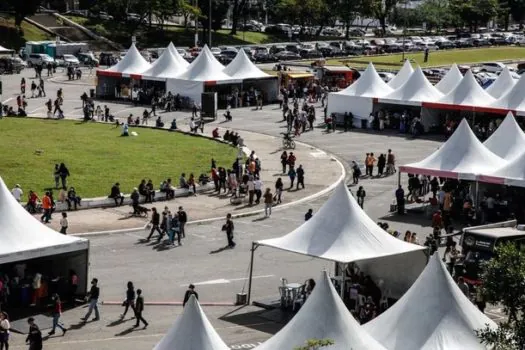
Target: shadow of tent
267, 321
413, 219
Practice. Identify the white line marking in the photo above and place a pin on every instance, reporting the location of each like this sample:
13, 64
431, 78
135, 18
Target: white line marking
225, 281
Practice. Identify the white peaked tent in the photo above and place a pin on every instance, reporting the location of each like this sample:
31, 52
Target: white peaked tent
514, 99
166, 66
358, 98
463, 156
402, 76
342, 232
414, 91
192, 331
511, 174
433, 315
504, 83
242, 68
24, 238
508, 141
133, 64
450, 80
323, 316
178, 58
468, 93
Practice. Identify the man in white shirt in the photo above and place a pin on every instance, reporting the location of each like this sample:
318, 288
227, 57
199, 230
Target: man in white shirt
257, 184
17, 192
251, 190
441, 198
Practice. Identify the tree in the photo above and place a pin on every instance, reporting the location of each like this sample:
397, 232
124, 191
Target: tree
347, 10
237, 10
517, 10
22, 9
504, 283
435, 13
188, 10
380, 9
315, 344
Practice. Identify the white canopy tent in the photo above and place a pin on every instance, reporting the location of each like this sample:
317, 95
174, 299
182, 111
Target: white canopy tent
178, 58
323, 316
192, 331
352, 237
463, 156
468, 93
358, 98
242, 68
414, 91
504, 83
402, 76
508, 141
166, 66
433, 315
450, 80
513, 99
133, 64
511, 174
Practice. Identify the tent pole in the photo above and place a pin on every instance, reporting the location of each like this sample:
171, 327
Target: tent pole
398, 178
476, 199
343, 273
254, 246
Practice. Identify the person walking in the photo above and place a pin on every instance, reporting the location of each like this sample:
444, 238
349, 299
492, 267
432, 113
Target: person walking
63, 171
284, 161
42, 88
139, 308
251, 190
278, 190
268, 202
361, 194
23, 86
92, 297
191, 291
370, 160
400, 200
381, 163
46, 206
56, 313
129, 302
356, 173
390, 163
155, 223
300, 176
34, 337
183, 219
4, 331
291, 160
228, 227
291, 175
64, 223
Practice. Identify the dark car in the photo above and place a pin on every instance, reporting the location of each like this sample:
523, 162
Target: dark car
107, 59
9, 65
445, 45
287, 55
311, 53
293, 48
262, 57
498, 39
277, 48
391, 48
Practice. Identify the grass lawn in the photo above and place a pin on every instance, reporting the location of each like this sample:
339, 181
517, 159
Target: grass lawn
11, 38
97, 156
441, 58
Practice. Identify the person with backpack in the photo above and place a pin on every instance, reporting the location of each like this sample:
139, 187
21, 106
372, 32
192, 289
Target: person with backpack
356, 173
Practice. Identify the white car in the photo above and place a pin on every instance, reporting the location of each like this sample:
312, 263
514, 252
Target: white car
492, 67
70, 60
386, 76
36, 59
215, 51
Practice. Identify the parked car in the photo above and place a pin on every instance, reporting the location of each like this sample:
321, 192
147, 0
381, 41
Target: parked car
445, 44
310, 53
391, 48
386, 76
287, 56
216, 51
11, 65
88, 59
67, 60
277, 48
492, 67
36, 59
107, 59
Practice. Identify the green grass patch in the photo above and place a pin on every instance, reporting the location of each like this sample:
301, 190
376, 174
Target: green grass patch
11, 37
439, 58
97, 156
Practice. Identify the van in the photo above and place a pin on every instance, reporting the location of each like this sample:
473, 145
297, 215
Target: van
39, 59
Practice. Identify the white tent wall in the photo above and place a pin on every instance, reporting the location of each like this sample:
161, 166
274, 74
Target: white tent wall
186, 88
361, 107
388, 268
429, 118
269, 87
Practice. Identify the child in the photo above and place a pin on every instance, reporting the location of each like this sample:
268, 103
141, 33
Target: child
64, 223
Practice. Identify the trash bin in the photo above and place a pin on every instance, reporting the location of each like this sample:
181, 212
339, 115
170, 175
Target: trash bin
364, 122
92, 93
241, 299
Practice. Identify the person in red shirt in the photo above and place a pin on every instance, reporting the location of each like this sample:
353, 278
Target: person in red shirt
46, 206
32, 199
57, 312
437, 220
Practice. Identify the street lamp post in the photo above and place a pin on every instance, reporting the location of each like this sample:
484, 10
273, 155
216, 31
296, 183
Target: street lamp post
405, 31
209, 25
196, 27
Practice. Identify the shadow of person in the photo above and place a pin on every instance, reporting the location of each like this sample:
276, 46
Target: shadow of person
219, 250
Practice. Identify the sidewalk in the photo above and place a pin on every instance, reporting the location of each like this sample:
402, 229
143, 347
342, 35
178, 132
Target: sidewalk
321, 171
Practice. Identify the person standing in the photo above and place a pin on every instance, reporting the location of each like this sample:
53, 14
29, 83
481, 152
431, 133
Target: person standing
400, 200
291, 175
130, 300
93, 295
33, 89
356, 173
73, 286
64, 224
300, 176
183, 219
251, 190
228, 227
191, 291
17, 192
361, 194
139, 308
370, 160
64, 173
390, 163
46, 206
57, 312
284, 161
23, 86
291, 160
42, 88
4, 331
257, 185
268, 202
381, 163
278, 190
308, 214
34, 337
155, 223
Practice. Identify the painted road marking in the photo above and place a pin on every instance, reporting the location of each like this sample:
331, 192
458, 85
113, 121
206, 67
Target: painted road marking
225, 281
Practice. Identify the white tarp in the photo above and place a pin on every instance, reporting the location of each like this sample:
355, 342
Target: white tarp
323, 316
504, 83
514, 99
242, 68
402, 76
369, 84
450, 80
166, 66
417, 89
467, 93
191, 331
433, 315
463, 156
354, 237
191, 89
23, 237
205, 68
508, 141
132, 64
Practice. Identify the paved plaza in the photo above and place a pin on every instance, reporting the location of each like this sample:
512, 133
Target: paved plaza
218, 273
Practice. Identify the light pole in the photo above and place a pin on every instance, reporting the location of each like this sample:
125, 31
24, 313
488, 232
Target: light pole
405, 31
209, 25
196, 27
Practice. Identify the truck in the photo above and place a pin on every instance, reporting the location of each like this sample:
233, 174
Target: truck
479, 243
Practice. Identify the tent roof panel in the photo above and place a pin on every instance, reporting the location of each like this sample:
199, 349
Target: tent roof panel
467, 93
369, 84
132, 63
242, 68
508, 141
504, 83
513, 99
402, 76
205, 68
450, 80
416, 89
